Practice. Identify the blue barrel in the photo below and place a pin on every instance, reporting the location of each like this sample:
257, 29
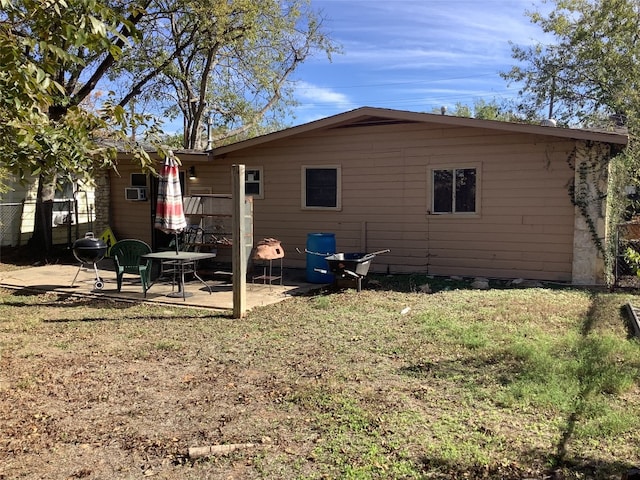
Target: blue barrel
323, 244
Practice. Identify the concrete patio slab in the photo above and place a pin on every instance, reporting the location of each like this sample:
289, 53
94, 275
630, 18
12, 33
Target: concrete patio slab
60, 278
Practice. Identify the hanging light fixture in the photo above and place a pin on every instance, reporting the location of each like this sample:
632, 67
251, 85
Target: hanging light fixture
192, 173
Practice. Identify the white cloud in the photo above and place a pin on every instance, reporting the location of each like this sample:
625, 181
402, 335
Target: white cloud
414, 54
308, 92
428, 33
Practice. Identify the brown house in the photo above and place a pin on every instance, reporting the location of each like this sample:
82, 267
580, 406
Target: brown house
448, 195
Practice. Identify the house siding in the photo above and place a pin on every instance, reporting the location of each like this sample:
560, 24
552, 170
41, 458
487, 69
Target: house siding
133, 219
128, 219
525, 223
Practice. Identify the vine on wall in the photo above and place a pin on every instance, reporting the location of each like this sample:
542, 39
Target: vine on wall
588, 195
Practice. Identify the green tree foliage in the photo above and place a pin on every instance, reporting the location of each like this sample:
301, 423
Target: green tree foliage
57, 54
45, 47
587, 74
484, 110
195, 57
223, 62
588, 70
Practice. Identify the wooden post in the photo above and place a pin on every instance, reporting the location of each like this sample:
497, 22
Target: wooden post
238, 252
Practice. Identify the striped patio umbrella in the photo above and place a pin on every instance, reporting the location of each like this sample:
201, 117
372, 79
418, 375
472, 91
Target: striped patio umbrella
169, 208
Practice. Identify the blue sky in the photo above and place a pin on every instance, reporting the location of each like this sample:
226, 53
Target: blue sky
413, 54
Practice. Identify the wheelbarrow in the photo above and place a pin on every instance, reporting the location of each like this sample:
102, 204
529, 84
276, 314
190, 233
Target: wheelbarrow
354, 266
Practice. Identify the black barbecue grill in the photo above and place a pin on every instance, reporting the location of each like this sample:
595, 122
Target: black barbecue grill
89, 250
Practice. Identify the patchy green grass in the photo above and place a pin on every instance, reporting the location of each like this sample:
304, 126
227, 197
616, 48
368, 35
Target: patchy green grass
387, 384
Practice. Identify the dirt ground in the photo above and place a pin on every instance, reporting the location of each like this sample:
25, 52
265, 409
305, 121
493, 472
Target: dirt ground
104, 399
92, 389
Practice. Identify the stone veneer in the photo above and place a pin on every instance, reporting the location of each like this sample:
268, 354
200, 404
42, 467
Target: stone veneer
588, 262
102, 201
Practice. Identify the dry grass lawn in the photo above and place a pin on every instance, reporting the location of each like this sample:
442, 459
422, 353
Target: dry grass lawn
505, 384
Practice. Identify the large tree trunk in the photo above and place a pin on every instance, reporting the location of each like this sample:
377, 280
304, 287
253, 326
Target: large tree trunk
41, 241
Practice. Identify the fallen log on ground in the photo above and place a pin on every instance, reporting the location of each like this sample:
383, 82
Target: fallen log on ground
199, 452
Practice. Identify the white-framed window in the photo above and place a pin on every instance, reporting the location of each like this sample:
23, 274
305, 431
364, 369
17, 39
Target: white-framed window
455, 190
63, 211
138, 179
253, 182
322, 187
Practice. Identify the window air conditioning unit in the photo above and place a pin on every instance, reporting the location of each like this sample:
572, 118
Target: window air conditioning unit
135, 194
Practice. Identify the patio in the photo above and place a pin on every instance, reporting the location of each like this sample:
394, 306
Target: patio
59, 277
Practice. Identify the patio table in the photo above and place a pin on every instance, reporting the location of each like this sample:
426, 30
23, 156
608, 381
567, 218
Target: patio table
182, 262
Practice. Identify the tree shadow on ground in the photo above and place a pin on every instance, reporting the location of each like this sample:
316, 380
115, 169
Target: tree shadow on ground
596, 373
25, 256
68, 301
529, 466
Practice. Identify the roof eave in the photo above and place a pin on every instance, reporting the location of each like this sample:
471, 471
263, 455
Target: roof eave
352, 116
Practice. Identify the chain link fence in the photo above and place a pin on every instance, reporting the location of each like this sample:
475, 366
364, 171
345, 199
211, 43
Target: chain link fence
69, 219
10, 221
627, 240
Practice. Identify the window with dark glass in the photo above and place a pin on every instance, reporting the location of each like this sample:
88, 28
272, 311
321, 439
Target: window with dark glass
253, 182
321, 187
454, 190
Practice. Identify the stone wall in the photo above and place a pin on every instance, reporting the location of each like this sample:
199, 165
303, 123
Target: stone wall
102, 202
590, 181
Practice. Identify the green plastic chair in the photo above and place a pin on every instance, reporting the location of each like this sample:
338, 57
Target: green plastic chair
127, 259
